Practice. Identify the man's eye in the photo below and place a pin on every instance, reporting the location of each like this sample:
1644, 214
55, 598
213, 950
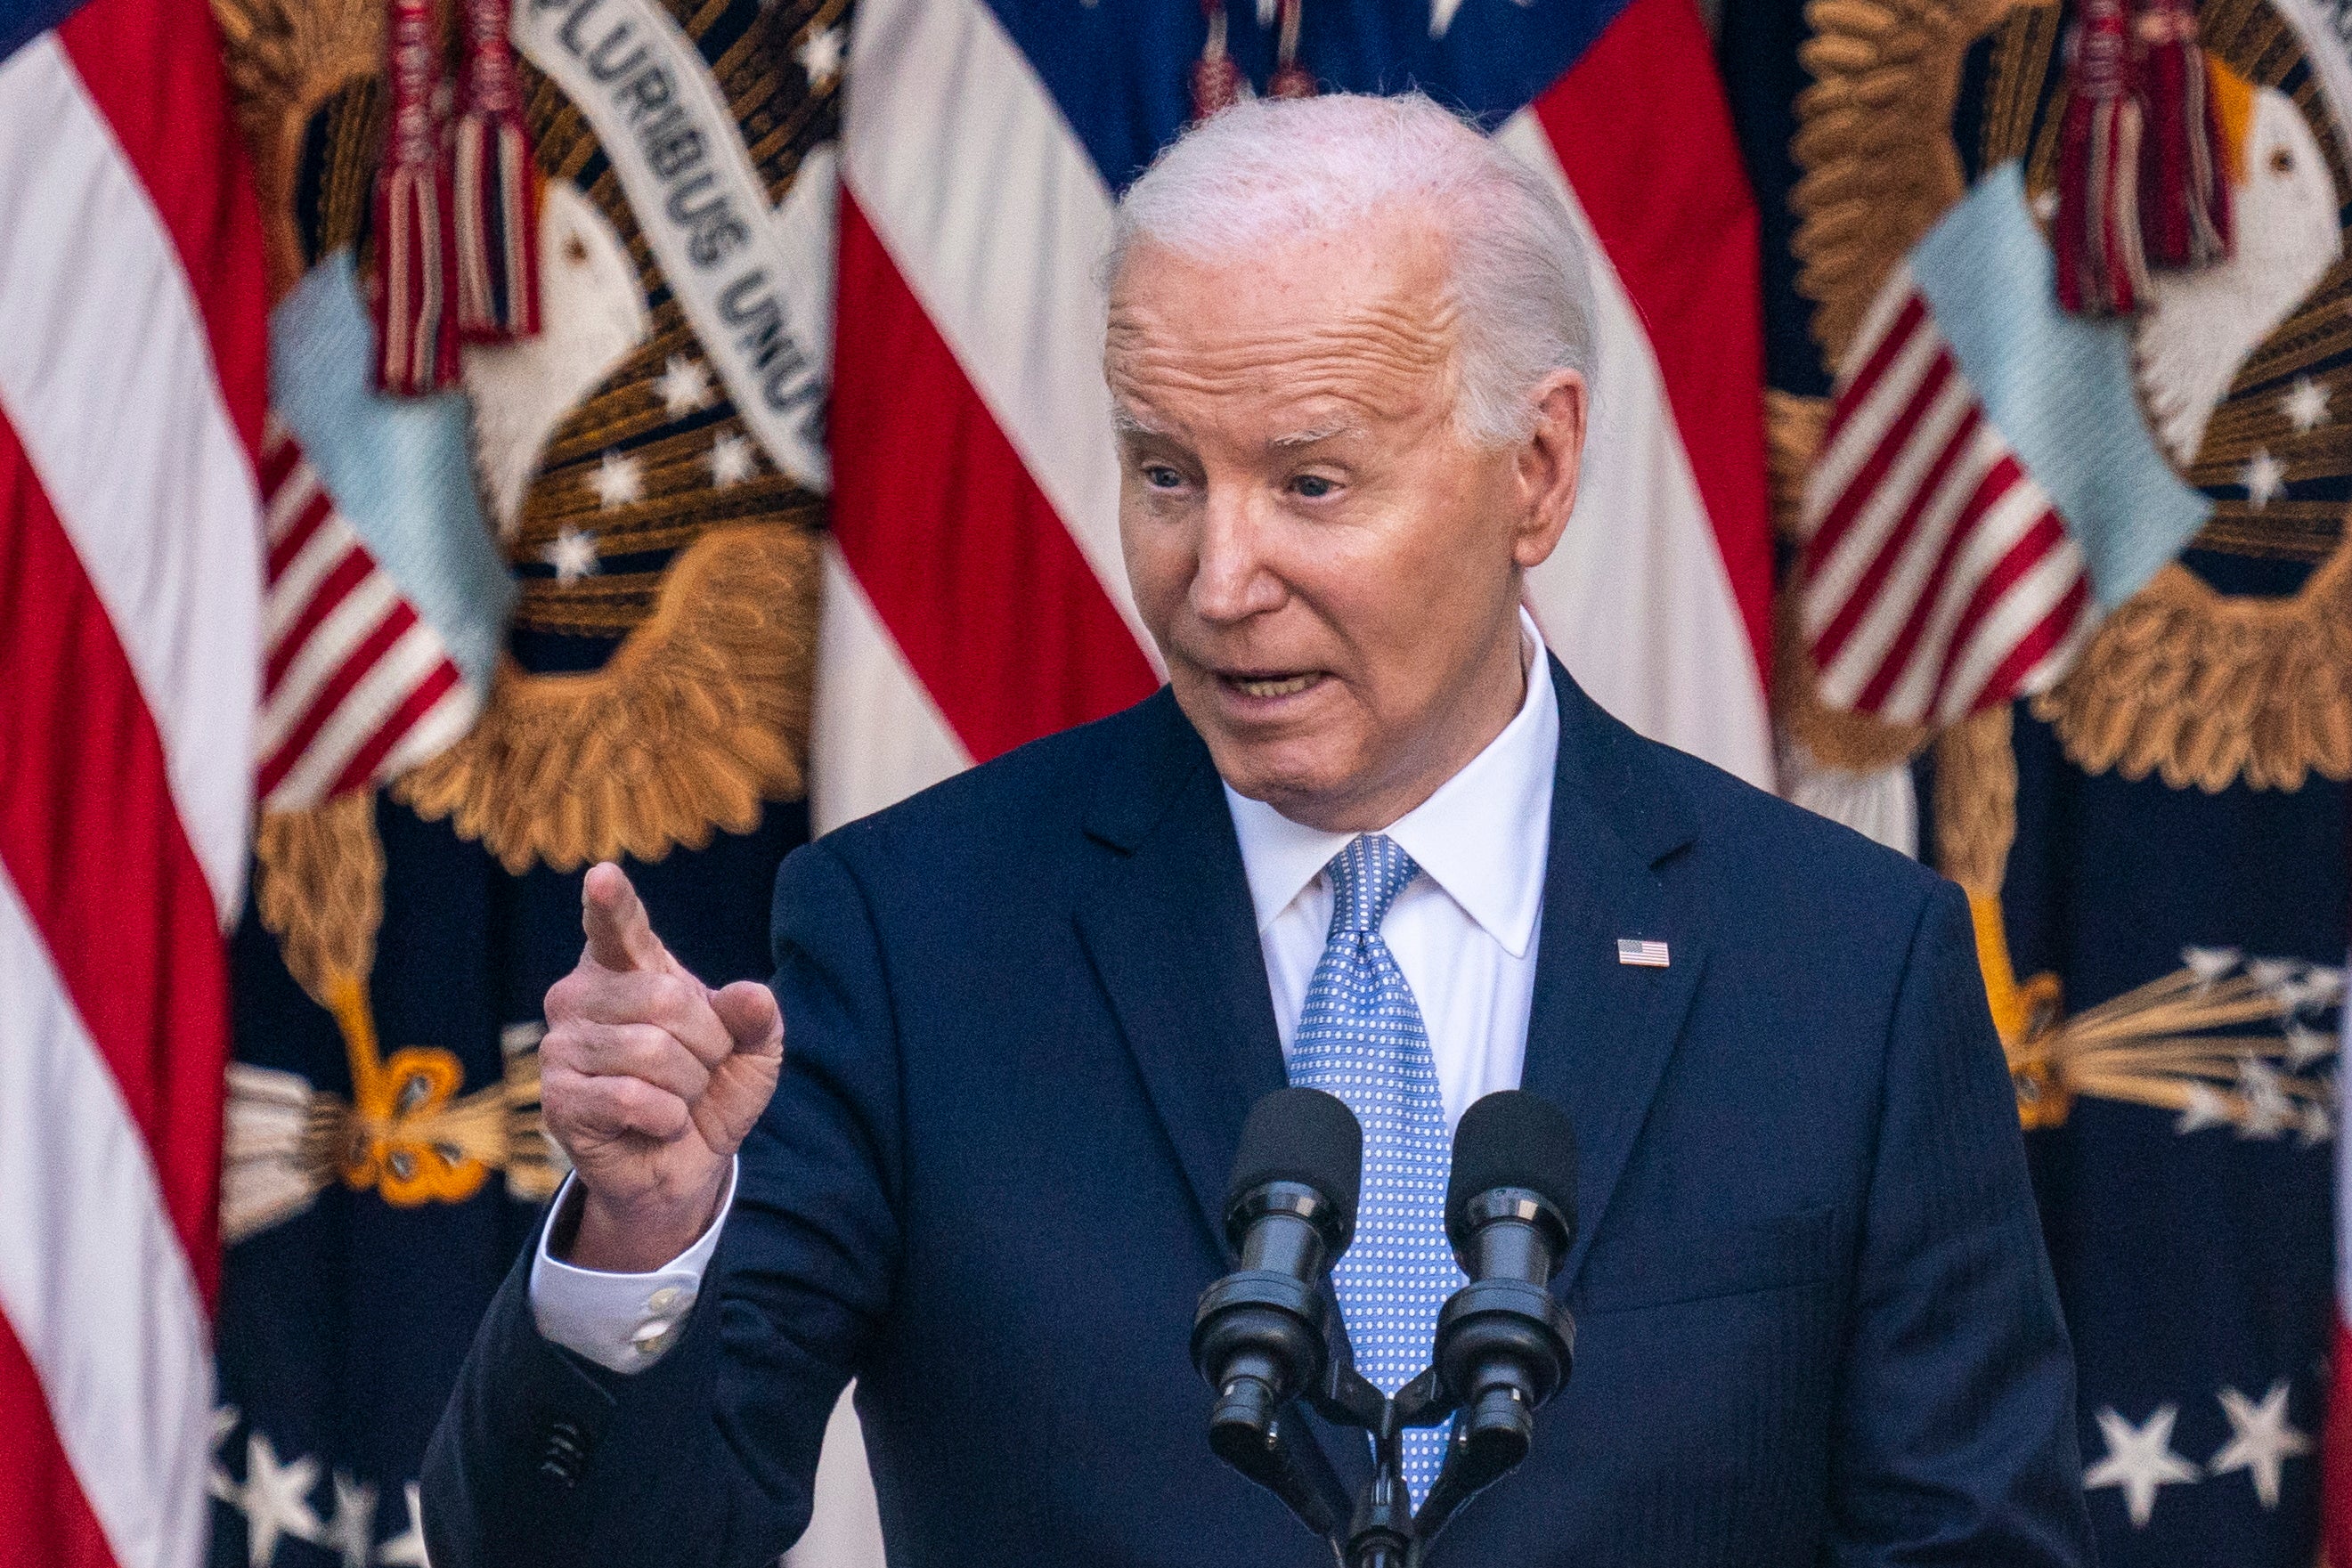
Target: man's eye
1314, 486
1161, 477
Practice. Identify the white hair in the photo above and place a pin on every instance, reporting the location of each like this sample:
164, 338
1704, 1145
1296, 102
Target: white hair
1271, 169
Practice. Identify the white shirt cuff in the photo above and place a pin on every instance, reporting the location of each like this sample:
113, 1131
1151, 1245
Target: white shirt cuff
624, 1322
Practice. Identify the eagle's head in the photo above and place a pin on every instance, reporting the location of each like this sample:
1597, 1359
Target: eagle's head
594, 312
2200, 326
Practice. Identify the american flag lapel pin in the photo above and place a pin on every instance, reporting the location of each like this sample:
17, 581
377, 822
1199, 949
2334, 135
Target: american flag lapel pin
1641, 955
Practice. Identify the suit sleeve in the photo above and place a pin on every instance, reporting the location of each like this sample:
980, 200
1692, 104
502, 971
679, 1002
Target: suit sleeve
709, 1456
1957, 1441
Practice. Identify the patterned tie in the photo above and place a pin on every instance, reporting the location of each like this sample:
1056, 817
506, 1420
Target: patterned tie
1360, 1037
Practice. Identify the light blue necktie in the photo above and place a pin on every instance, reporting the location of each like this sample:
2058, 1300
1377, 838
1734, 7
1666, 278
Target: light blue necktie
1360, 1037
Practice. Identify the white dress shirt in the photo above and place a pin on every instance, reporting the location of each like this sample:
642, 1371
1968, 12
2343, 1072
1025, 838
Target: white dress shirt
624, 1321
1463, 931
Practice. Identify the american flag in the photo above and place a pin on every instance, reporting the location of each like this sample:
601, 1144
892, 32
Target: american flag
357, 686
1938, 576
132, 393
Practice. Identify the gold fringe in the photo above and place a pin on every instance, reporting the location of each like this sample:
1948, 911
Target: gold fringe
1793, 433
319, 885
2209, 689
699, 716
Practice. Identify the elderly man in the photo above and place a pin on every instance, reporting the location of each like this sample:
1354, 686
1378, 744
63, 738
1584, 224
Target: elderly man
1371, 838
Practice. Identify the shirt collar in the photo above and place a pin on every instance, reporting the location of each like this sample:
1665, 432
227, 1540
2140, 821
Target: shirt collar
1484, 836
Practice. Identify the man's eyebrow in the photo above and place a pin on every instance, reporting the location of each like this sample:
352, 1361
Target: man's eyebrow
1309, 437
1127, 422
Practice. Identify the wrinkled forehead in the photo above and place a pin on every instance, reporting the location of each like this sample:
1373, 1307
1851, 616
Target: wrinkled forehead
1360, 317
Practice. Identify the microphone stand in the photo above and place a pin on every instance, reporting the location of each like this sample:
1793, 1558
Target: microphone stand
1269, 1337
1379, 1528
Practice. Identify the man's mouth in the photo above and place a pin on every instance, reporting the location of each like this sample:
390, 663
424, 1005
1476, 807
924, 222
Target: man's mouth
1263, 686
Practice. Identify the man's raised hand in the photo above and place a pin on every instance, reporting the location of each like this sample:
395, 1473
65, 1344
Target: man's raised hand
649, 1079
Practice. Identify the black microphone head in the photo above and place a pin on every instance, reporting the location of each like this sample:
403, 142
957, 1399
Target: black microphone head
1303, 1135
1513, 1138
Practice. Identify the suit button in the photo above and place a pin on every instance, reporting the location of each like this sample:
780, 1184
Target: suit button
565, 1455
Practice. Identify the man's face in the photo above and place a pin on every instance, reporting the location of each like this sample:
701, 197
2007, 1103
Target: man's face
1329, 568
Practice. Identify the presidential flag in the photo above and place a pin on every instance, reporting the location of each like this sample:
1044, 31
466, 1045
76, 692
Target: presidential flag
2152, 836
131, 423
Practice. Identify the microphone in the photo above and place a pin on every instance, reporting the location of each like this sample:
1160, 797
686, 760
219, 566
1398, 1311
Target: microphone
1290, 1211
1504, 1344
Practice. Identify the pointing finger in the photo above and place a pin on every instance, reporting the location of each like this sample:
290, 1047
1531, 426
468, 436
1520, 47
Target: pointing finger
620, 938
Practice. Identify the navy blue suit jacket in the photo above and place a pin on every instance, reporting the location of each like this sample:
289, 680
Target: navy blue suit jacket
1027, 1013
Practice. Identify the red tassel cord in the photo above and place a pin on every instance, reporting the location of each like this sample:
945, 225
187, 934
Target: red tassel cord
1290, 78
2184, 197
2095, 231
1216, 81
496, 188
416, 328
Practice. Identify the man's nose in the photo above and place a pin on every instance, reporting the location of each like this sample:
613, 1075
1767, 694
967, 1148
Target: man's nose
1230, 580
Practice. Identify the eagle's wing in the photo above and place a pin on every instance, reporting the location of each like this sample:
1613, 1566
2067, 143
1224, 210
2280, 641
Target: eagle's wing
2209, 689
1875, 144
699, 716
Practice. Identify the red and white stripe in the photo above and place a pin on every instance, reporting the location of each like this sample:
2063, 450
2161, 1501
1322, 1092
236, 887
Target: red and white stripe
1939, 579
356, 685
975, 511
132, 386
1659, 597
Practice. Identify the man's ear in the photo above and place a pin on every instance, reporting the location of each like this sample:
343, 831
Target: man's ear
1549, 463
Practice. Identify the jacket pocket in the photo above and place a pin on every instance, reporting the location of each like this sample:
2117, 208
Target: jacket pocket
1627, 1271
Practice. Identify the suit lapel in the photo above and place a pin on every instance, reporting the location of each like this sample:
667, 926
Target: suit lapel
1174, 940
1171, 933
1599, 1031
